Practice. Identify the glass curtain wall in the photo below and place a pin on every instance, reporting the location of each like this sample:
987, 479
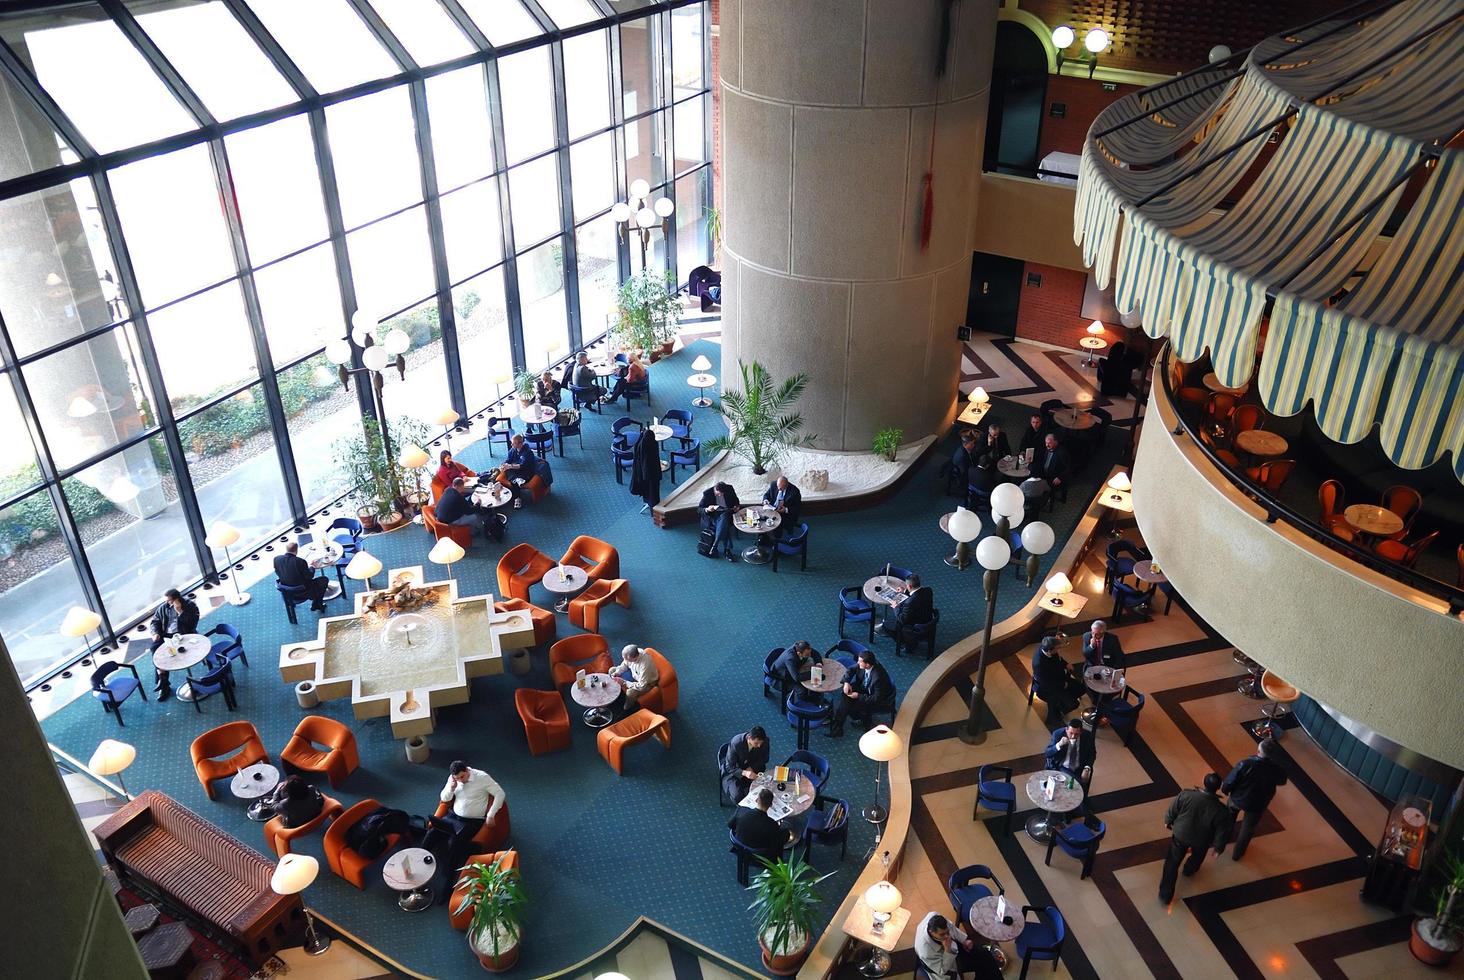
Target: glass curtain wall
197, 196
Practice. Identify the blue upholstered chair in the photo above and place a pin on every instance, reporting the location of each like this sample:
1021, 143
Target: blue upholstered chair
994, 790
688, 455
1042, 939
1079, 840
964, 893
896, 571
1123, 714
346, 531
1168, 589
748, 856
637, 389
679, 420
626, 427
805, 715
815, 766
227, 643
1121, 556
500, 429
622, 358
909, 637
794, 544
584, 398
292, 596
854, 608
562, 429
772, 685
624, 460
218, 680
541, 442
846, 652
1127, 597
111, 689
828, 823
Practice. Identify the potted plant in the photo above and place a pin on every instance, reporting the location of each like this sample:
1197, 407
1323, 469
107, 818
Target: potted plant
714, 231
523, 383
380, 481
887, 443
648, 312
1436, 939
783, 907
496, 896
760, 416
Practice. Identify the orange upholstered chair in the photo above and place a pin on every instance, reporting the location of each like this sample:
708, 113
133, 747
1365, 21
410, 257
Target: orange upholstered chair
337, 760
461, 921
519, 568
1406, 502
437, 487
584, 609
587, 650
494, 833
546, 723
239, 737
544, 628
1186, 395
598, 558
537, 488
639, 727
460, 533
667, 692
344, 861
1332, 497
278, 836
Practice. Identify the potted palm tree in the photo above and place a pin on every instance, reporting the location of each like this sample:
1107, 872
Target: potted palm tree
761, 418
380, 481
648, 313
1437, 939
784, 905
523, 383
496, 896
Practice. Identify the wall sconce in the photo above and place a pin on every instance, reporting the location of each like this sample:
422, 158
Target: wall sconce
1062, 39
1095, 42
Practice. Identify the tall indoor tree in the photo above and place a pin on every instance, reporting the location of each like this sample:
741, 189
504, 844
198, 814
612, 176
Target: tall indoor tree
760, 417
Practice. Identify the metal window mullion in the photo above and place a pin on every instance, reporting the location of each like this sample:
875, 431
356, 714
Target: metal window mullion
384, 35
668, 143
11, 63
569, 250
620, 163
159, 63
127, 282
273, 50
546, 23
466, 24
512, 303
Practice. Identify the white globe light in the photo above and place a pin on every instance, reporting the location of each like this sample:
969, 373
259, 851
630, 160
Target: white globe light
397, 341
665, 207
374, 358
1037, 538
361, 335
1007, 500
645, 217
1063, 37
639, 189
993, 553
1014, 520
1096, 40
338, 352
1219, 53
964, 525
620, 211
361, 320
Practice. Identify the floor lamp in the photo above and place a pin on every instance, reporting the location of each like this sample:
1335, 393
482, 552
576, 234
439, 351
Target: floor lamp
447, 419
79, 622
362, 566
880, 744
445, 552
221, 535
110, 758
293, 875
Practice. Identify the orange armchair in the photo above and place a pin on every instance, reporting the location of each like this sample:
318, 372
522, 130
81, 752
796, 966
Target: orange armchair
598, 558
639, 727
344, 861
460, 533
494, 833
584, 609
461, 921
239, 737
519, 568
667, 692
537, 488
278, 836
587, 650
437, 487
544, 627
337, 760
546, 723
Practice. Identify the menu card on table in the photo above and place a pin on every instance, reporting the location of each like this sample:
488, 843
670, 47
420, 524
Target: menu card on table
579, 678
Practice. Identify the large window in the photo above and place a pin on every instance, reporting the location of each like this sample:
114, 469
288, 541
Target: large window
164, 318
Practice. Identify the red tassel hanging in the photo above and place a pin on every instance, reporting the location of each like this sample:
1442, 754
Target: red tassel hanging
927, 211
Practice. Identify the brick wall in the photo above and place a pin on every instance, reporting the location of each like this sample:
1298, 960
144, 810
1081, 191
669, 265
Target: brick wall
1050, 313
1084, 100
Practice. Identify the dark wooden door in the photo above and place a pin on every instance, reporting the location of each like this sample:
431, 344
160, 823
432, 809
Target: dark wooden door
996, 287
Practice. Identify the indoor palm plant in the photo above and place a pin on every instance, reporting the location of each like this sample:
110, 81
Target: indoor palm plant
1437, 938
784, 906
760, 416
714, 231
523, 383
496, 896
379, 479
648, 311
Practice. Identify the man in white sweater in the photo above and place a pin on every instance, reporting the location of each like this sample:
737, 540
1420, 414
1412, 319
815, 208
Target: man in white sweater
475, 798
636, 674
947, 953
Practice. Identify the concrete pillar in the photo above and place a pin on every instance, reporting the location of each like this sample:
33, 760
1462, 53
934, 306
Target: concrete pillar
829, 110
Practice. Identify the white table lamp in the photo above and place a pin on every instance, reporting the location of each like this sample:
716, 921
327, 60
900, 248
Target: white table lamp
293, 875
1120, 481
880, 744
1095, 328
221, 535
445, 552
883, 900
701, 364
965, 527
1058, 586
979, 396
362, 566
110, 758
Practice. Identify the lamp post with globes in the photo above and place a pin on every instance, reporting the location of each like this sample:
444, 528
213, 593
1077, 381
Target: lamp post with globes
375, 359
639, 213
994, 553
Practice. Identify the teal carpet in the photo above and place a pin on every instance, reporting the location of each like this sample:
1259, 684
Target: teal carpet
596, 849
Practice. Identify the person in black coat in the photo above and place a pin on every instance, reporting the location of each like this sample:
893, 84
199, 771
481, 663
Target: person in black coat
793, 666
1054, 681
758, 831
916, 609
747, 755
787, 500
995, 444
716, 507
1251, 786
966, 453
177, 616
456, 507
1051, 463
1036, 434
1073, 750
293, 570
645, 470
294, 802
1101, 648
981, 479
867, 688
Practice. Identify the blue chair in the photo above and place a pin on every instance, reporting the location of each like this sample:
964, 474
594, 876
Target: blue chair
688, 455
1126, 597
1042, 939
679, 419
854, 608
994, 790
292, 596
219, 680
624, 460
771, 683
585, 398
562, 429
622, 358
627, 428
350, 538
541, 442
909, 637
637, 389
747, 856
227, 643
827, 825
963, 894
1123, 714
1121, 556
1169, 594
112, 690
814, 765
500, 427
977, 498
896, 571
794, 544
1079, 840
846, 651
804, 716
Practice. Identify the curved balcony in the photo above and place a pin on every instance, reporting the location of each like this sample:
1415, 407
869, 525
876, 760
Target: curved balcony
1380, 642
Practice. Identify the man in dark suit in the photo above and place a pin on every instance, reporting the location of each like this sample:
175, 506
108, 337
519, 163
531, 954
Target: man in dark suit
1102, 648
1072, 749
1035, 435
981, 479
966, 454
293, 570
867, 688
1051, 464
747, 755
716, 507
915, 609
1199, 821
520, 467
758, 831
584, 377
1252, 785
177, 616
1054, 681
792, 668
787, 500
996, 445
456, 507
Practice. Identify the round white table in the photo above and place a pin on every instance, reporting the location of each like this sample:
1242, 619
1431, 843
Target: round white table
409, 871
1145, 571
324, 553
833, 677
1039, 825
757, 519
604, 369
190, 651
492, 495
600, 691
1014, 466
1103, 680
536, 414
702, 382
661, 432
252, 782
1072, 418
564, 581
1093, 346
792, 800
884, 590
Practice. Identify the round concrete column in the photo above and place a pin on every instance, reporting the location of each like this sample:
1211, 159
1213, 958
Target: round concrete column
829, 111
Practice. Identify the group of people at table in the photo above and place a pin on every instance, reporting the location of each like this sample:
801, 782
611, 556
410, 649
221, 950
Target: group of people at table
719, 504
984, 459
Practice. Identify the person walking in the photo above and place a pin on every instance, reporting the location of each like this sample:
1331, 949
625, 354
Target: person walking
1250, 787
1198, 821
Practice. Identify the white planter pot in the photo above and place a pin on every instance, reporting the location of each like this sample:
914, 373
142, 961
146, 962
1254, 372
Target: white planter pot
305, 694
417, 750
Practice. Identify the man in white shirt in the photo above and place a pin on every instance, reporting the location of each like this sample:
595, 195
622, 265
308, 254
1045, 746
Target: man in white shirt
946, 952
643, 676
475, 798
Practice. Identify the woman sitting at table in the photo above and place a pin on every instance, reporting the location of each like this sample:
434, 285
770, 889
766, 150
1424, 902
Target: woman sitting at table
547, 390
451, 469
294, 801
632, 373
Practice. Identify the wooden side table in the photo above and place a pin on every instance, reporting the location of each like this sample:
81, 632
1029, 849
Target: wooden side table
860, 927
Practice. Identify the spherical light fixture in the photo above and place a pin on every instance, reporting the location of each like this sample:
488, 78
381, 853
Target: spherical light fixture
397, 341
374, 358
1007, 500
338, 352
639, 189
665, 207
1219, 53
993, 553
645, 218
1096, 41
620, 211
1063, 37
1038, 538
